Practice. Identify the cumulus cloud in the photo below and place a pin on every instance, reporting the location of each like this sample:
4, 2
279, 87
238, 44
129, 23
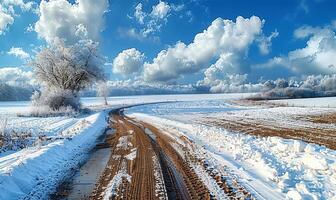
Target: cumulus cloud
317, 57
225, 74
18, 52
59, 19
128, 61
16, 76
223, 39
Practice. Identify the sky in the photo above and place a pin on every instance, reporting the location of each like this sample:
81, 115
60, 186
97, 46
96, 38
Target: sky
184, 43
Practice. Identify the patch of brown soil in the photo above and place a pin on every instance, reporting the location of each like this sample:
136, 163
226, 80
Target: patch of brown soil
192, 184
125, 140
317, 136
180, 181
229, 185
324, 119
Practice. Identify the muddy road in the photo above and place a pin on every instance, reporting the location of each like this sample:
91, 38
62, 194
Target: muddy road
145, 163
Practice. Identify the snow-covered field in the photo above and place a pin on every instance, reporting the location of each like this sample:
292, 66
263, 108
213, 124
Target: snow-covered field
42, 150
269, 167
329, 102
35, 170
39, 151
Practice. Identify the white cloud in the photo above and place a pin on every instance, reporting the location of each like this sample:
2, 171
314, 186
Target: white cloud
227, 64
5, 21
8, 14
139, 14
59, 19
16, 76
265, 43
128, 61
160, 10
276, 61
222, 37
305, 31
131, 33
317, 57
151, 22
20, 3
18, 52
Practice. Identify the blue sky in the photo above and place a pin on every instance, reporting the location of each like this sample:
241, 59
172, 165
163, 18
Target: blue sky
286, 27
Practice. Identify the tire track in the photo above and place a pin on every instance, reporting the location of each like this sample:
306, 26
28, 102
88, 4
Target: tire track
179, 178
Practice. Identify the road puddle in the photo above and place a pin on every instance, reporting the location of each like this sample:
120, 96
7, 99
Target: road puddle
83, 182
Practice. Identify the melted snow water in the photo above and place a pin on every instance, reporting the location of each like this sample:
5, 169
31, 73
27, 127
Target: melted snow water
85, 179
83, 182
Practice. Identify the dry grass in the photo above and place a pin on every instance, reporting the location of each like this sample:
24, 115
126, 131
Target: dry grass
325, 137
324, 119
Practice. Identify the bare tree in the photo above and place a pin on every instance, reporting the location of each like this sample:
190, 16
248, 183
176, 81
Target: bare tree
103, 91
67, 68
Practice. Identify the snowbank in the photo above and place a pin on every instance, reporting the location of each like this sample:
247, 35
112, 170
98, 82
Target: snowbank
34, 173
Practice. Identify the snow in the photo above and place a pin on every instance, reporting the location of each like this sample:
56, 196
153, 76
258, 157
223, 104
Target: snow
282, 117
142, 99
160, 189
10, 107
132, 155
314, 161
112, 187
124, 143
210, 183
36, 171
268, 167
322, 102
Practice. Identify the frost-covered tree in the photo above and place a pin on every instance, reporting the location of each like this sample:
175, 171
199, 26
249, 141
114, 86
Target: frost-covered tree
281, 83
67, 70
103, 91
68, 67
269, 85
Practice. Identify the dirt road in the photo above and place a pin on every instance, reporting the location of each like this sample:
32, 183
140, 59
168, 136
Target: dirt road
139, 168
148, 164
